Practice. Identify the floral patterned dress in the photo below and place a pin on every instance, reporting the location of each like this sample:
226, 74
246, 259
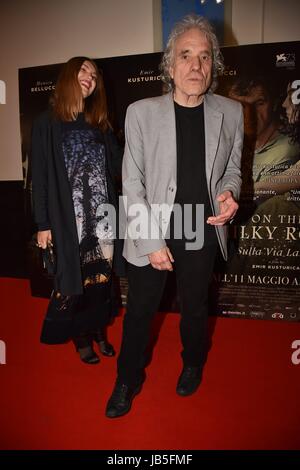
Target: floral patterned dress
84, 155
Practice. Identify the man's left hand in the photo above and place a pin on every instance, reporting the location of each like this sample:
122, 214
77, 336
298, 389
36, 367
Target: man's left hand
228, 208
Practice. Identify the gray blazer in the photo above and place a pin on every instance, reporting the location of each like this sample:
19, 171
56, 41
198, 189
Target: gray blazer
150, 162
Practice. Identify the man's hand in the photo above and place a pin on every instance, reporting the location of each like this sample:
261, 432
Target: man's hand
228, 208
43, 238
162, 259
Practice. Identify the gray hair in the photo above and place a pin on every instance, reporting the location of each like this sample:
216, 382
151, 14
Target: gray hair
190, 22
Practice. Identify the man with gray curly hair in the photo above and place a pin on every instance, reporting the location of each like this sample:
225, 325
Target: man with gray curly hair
187, 23
183, 151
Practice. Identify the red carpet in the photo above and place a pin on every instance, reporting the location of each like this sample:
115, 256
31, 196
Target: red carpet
249, 398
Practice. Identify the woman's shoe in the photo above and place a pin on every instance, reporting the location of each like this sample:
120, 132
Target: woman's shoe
105, 347
88, 355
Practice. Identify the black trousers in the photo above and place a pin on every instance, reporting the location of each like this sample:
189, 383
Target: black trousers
145, 288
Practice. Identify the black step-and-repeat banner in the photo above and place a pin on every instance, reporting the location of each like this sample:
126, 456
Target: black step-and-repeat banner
262, 276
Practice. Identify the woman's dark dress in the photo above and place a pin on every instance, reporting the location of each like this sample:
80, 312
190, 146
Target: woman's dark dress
73, 316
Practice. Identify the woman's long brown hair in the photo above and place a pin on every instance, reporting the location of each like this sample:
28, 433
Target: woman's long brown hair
67, 100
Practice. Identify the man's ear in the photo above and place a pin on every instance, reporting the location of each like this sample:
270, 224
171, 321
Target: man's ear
171, 72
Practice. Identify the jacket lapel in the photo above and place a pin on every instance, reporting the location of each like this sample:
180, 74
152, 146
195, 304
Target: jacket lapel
167, 130
213, 119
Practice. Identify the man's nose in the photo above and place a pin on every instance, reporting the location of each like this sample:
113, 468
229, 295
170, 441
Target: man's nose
196, 64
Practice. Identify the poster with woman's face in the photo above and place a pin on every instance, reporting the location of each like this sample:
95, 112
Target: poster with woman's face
262, 277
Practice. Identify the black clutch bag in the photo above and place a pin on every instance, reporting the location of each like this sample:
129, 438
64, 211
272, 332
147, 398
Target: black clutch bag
49, 259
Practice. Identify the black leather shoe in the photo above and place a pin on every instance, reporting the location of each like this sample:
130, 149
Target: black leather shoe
121, 399
189, 380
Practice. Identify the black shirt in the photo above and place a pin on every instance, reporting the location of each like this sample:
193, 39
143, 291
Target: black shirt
191, 172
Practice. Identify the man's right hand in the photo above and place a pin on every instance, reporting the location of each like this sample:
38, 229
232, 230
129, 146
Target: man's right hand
162, 259
44, 237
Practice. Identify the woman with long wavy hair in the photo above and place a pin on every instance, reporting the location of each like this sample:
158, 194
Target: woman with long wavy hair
75, 162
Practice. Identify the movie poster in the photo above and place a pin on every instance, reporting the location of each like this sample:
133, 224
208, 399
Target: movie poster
262, 277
